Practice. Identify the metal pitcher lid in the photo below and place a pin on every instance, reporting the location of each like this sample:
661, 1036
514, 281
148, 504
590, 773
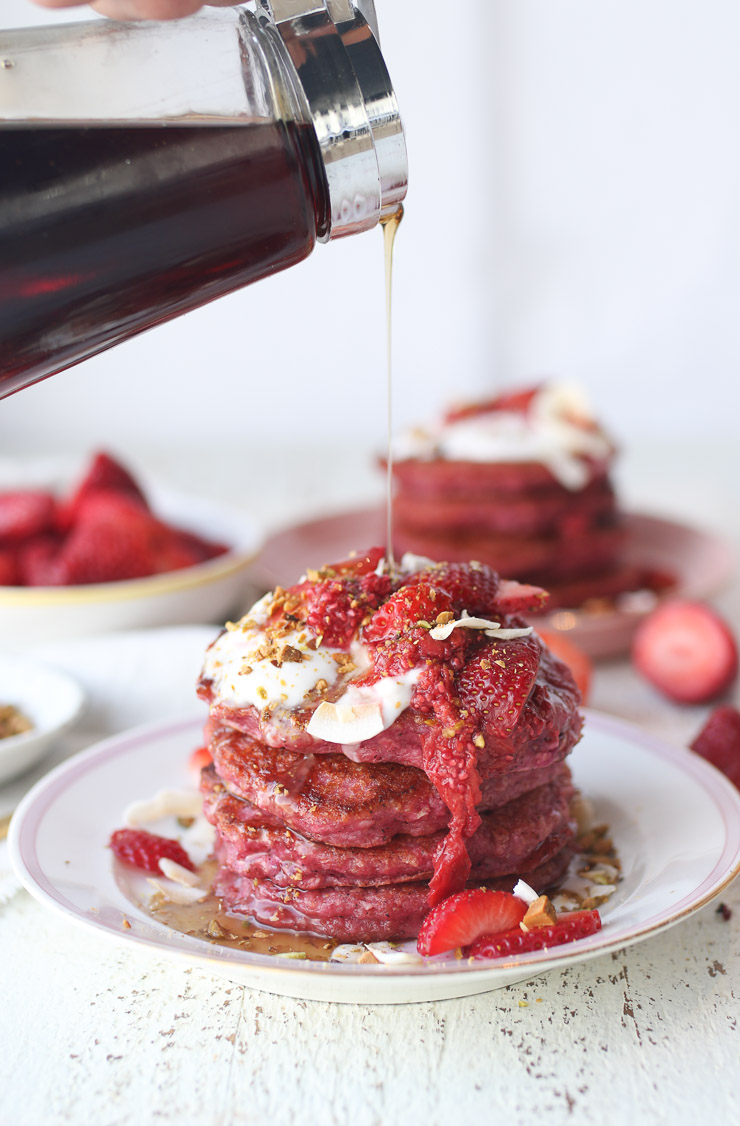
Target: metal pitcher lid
334, 48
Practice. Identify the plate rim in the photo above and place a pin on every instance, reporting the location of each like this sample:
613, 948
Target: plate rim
726, 868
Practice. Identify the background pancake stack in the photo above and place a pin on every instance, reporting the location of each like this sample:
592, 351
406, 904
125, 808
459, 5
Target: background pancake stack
522, 483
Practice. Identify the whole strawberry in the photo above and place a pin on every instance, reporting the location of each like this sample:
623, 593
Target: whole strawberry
686, 651
144, 850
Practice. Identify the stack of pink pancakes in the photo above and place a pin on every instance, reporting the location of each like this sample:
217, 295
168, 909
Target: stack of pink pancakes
522, 483
330, 826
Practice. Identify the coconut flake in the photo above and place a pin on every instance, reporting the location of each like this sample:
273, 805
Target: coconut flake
346, 722
525, 892
177, 893
491, 629
390, 955
411, 563
348, 952
165, 803
174, 871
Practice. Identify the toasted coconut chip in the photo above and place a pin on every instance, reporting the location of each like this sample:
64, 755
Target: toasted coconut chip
346, 723
165, 803
391, 955
174, 871
347, 952
525, 892
491, 629
177, 893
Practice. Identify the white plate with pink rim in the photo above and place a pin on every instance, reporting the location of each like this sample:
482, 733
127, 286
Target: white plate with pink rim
675, 821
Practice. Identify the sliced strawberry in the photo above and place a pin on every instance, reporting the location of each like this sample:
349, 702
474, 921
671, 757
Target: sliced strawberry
358, 564
520, 598
495, 684
719, 742
471, 586
405, 609
568, 928
462, 918
38, 561
570, 654
104, 474
145, 850
25, 513
109, 475
113, 539
686, 651
10, 574
198, 548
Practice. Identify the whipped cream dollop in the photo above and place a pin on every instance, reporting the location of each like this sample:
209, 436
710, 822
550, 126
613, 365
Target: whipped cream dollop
557, 430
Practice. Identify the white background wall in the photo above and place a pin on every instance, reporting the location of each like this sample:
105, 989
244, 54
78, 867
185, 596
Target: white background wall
574, 209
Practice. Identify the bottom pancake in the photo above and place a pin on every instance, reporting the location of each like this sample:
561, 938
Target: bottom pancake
348, 914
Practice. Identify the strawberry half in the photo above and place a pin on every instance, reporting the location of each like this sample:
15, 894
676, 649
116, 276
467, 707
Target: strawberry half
26, 513
569, 928
719, 742
471, 586
462, 918
9, 572
520, 598
358, 564
686, 651
113, 538
495, 684
409, 605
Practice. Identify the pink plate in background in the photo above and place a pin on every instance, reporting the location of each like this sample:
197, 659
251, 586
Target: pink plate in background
702, 562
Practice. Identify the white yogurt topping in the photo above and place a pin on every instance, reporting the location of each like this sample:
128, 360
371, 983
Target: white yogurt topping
241, 677
548, 433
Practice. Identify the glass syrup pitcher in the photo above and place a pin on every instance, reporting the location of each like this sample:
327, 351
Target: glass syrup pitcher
147, 168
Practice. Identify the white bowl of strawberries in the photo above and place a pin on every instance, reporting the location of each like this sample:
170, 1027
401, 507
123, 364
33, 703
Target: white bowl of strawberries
106, 555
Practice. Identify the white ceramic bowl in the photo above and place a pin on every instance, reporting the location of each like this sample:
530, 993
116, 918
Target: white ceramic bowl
51, 700
207, 592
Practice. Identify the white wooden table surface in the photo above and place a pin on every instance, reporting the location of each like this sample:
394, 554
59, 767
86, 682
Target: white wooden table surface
91, 1032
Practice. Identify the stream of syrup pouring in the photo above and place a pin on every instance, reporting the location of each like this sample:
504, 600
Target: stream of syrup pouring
205, 919
390, 224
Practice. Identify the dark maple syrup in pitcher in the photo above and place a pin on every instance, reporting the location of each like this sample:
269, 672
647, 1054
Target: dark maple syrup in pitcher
107, 230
